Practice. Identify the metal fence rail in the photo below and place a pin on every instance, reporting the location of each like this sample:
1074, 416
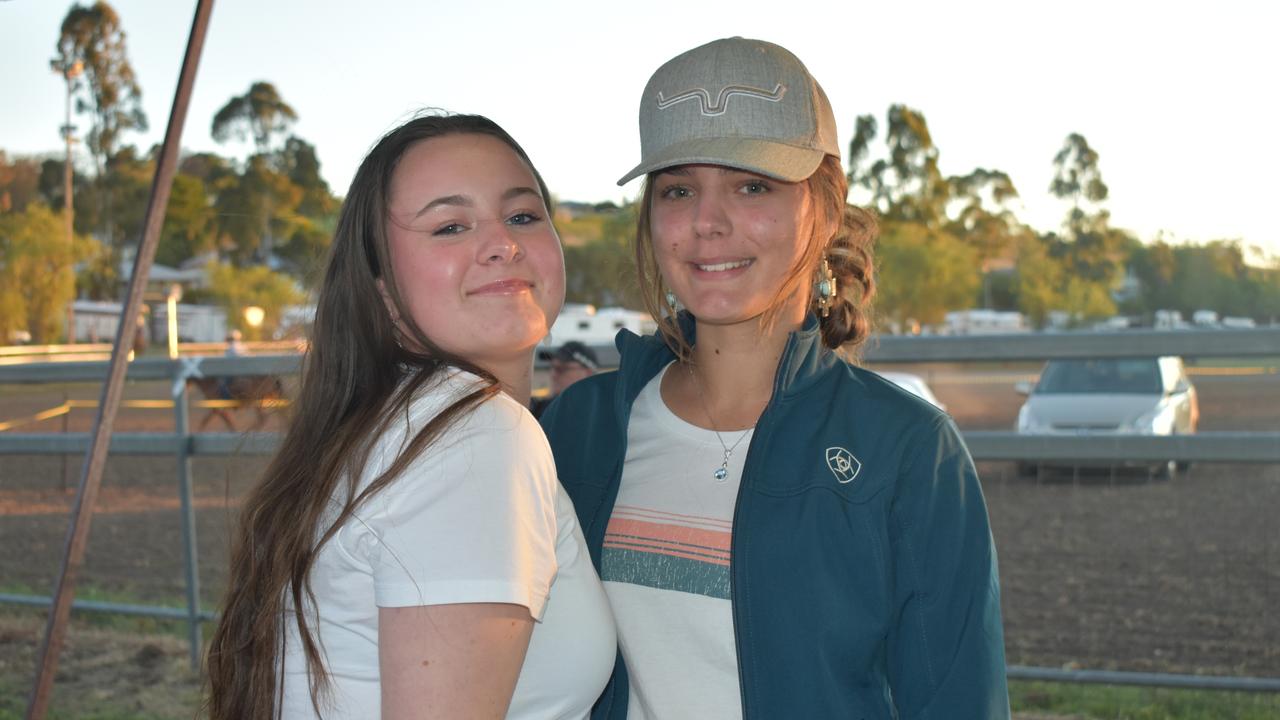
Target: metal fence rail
1223, 447
1233, 447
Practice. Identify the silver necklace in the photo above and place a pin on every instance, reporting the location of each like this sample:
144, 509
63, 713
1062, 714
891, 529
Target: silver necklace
721, 473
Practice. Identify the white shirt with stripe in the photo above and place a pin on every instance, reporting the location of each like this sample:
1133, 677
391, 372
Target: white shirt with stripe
666, 565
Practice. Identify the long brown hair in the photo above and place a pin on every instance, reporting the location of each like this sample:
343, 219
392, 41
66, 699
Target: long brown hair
843, 234
358, 379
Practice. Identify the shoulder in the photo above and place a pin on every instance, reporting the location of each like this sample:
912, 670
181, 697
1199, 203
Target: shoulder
858, 414
864, 392
498, 434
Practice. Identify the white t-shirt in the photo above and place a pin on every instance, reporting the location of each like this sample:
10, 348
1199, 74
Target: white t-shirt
666, 565
478, 517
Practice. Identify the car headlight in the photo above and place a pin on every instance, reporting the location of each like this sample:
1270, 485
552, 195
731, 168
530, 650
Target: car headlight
1156, 421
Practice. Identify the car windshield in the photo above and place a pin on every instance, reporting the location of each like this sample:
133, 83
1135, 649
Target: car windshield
1140, 376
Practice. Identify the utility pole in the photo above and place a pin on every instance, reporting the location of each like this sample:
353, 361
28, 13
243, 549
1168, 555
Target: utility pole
69, 71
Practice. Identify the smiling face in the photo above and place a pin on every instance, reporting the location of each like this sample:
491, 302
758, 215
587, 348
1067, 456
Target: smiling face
476, 260
727, 241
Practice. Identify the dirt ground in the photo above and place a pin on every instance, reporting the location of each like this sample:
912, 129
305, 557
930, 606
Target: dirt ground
1096, 572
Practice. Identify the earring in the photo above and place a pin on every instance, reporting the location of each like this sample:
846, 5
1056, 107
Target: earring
671, 300
825, 289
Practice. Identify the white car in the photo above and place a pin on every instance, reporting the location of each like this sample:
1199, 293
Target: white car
1106, 396
915, 385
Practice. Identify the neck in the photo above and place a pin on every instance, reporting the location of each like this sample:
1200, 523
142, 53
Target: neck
730, 379
515, 376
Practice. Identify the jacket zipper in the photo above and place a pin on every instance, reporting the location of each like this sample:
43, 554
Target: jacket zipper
734, 576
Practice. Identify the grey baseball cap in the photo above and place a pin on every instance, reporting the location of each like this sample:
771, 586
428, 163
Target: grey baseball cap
742, 103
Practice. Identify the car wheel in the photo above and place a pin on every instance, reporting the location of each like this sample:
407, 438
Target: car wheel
1027, 469
1165, 471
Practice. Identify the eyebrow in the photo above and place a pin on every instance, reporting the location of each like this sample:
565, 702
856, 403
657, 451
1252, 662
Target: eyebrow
465, 201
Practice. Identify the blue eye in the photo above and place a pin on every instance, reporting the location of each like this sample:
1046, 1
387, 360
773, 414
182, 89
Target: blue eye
524, 218
755, 187
450, 229
675, 192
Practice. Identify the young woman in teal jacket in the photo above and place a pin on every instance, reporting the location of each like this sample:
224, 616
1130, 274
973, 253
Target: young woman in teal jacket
780, 533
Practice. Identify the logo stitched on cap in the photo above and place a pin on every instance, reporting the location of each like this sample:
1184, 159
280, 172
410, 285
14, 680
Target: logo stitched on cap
843, 464
712, 108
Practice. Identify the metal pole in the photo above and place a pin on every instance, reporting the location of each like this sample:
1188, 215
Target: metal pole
69, 71
191, 558
68, 212
91, 476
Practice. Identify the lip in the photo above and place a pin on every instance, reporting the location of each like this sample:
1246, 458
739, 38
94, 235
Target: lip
505, 286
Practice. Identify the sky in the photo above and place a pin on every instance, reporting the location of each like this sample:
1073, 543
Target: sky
1175, 96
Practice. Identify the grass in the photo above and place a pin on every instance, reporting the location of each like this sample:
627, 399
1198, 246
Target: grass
1028, 699
1111, 702
13, 706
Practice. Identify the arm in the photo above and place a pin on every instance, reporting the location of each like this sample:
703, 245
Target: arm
946, 650
463, 554
451, 661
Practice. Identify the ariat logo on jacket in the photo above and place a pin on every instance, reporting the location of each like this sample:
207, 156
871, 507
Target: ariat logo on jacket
843, 464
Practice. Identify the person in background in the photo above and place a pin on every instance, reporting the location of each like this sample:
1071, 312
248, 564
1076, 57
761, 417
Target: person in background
572, 362
408, 552
781, 533
235, 344
235, 348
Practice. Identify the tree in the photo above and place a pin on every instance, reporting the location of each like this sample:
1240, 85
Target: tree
36, 275
906, 185
1090, 250
299, 162
1077, 178
923, 273
598, 257
260, 113
188, 228
52, 183
1040, 279
236, 288
19, 183
109, 91
1155, 266
253, 208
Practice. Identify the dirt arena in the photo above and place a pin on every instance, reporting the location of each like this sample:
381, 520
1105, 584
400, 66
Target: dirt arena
1096, 572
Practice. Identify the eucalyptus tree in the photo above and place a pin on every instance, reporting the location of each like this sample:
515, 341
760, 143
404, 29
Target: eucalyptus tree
92, 40
1093, 246
906, 184
108, 88
261, 115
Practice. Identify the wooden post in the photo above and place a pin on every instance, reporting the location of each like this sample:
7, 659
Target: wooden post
91, 473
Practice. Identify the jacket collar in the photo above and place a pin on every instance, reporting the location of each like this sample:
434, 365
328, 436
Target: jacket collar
803, 360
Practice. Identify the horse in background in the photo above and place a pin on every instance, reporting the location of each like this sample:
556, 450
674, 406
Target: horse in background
243, 390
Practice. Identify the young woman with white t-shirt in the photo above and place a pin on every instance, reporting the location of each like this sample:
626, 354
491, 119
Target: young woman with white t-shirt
409, 551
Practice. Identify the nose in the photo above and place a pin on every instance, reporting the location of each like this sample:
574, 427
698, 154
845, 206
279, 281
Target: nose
710, 218
498, 245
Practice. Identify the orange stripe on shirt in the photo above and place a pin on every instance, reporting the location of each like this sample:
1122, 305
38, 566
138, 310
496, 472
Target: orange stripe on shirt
710, 539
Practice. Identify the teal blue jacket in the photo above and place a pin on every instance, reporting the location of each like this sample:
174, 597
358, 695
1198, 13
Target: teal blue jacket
863, 573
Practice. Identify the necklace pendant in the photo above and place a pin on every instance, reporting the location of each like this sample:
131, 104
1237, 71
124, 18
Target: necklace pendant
722, 472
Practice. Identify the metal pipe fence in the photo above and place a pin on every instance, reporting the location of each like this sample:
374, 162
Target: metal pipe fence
1233, 447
